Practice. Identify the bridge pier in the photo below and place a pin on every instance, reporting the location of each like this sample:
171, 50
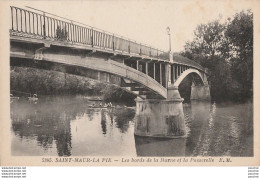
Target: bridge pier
200, 92
160, 117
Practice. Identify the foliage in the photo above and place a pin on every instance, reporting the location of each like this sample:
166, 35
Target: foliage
43, 82
61, 33
239, 34
116, 94
226, 49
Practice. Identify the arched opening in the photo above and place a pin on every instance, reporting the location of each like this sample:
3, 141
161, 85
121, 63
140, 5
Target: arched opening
185, 88
185, 82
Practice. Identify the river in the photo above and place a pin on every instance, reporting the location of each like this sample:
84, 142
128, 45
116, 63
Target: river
67, 126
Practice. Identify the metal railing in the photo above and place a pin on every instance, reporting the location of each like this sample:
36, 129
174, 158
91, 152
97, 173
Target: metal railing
44, 26
185, 61
51, 27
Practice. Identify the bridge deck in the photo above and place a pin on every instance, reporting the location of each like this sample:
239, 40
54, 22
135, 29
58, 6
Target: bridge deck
42, 28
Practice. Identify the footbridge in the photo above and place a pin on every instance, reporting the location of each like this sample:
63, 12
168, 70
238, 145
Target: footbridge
47, 41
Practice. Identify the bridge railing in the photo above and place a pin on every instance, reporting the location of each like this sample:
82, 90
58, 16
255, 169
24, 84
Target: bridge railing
36, 25
185, 61
51, 27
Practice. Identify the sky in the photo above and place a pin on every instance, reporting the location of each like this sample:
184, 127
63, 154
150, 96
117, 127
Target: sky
144, 21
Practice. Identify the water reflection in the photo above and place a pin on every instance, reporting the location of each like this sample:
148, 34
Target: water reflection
146, 146
212, 131
48, 128
197, 140
103, 122
197, 116
65, 126
55, 123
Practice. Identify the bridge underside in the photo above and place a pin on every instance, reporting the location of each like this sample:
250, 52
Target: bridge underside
145, 78
103, 77
98, 66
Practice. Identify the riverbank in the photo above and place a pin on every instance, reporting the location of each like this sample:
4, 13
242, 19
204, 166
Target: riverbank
27, 81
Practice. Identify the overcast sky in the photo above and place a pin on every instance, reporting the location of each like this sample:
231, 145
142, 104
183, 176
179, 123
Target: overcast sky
145, 21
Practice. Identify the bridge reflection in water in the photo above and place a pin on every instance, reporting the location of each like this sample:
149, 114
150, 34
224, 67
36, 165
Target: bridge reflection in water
197, 116
147, 146
53, 127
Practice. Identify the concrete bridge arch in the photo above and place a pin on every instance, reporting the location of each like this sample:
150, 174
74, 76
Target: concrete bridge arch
200, 88
197, 76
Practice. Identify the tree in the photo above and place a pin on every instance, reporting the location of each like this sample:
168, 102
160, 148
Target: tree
226, 49
207, 42
239, 34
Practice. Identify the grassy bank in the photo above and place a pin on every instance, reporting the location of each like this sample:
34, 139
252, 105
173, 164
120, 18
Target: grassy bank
43, 82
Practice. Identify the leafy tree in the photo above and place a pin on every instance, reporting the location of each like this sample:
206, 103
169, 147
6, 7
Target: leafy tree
207, 42
226, 49
239, 34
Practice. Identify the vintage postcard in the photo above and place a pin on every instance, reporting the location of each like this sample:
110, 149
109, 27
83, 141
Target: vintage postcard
129, 83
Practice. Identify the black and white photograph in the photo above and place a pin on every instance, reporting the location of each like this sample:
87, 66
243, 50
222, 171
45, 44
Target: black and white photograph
131, 80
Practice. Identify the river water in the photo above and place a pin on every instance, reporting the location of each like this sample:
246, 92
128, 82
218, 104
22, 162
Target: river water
67, 126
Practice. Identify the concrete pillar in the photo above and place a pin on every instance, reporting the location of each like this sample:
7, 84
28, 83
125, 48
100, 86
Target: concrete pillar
173, 73
169, 72
161, 117
146, 68
154, 71
200, 92
160, 73
177, 69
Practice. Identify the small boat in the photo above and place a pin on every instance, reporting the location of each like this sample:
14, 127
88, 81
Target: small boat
34, 98
124, 106
101, 105
95, 99
14, 97
97, 106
